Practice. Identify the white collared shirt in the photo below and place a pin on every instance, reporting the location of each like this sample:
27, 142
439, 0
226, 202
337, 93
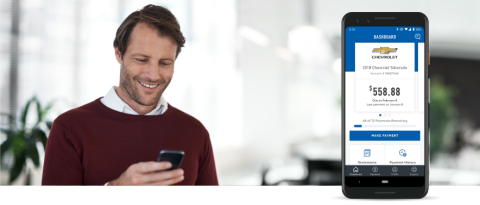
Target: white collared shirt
114, 102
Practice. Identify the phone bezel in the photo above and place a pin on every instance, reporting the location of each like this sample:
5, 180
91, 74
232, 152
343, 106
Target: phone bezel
400, 19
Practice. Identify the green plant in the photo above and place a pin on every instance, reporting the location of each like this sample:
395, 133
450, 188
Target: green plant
443, 115
22, 140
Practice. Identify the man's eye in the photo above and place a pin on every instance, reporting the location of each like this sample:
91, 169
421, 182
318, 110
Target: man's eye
165, 63
141, 60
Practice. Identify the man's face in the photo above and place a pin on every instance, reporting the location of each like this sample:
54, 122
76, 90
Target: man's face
147, 64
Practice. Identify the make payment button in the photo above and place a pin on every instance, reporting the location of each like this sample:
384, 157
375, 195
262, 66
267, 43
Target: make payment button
399, 135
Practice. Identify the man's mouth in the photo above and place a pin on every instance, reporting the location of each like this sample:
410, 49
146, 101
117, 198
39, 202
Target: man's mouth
148, 85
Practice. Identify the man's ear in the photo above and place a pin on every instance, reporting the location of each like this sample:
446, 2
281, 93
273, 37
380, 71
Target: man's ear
118, 55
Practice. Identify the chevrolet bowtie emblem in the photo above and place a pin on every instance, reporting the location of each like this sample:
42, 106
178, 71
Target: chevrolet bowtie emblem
384, 50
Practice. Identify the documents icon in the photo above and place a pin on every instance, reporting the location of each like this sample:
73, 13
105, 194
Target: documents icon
366, 153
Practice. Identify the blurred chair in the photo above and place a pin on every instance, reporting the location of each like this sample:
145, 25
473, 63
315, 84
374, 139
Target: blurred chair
284, 172
324, 172
322, 157
301, 171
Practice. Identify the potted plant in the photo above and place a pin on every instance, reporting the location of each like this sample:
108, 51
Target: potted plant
22, 140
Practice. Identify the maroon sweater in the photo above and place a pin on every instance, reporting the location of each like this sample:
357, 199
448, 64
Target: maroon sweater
93, 144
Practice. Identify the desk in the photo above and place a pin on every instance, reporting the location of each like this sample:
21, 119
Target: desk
299, 195
242, 195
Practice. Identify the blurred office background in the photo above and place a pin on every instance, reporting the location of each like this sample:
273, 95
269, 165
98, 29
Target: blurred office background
263, 76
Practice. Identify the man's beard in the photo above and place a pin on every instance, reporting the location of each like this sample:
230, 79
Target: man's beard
132, 90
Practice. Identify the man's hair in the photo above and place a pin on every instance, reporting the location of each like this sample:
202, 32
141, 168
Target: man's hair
157, 17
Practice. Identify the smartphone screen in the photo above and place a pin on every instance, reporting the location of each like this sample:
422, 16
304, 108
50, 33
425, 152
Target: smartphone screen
173, 156
384, 106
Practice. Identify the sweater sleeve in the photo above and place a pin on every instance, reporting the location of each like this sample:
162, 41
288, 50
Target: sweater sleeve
62, 164
207, 174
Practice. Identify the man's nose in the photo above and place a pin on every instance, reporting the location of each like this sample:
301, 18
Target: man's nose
151, 72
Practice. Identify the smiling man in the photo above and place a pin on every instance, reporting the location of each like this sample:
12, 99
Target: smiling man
115, 139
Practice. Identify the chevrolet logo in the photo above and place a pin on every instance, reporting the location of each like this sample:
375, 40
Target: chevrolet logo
384, 50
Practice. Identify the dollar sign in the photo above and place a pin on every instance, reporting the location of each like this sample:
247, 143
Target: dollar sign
370, 88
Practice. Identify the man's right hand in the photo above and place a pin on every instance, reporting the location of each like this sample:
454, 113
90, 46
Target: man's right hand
147, 173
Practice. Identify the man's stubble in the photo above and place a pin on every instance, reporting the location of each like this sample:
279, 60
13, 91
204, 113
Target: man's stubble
128, 85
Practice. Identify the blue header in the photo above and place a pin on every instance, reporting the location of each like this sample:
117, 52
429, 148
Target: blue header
376, 34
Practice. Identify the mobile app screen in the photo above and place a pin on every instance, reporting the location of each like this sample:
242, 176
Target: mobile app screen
384, 101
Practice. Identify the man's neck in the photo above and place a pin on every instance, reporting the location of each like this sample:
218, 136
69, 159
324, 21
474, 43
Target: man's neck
140, 109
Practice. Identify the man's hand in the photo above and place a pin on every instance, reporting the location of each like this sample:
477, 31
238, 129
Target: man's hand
147, 173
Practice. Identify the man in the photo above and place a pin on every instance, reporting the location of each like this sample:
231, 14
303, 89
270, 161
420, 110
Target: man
114, 140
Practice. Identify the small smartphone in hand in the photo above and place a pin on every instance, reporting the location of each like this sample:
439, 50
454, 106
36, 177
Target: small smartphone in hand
173, 156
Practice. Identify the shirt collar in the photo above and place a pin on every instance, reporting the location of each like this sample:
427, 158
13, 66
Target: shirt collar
114, 102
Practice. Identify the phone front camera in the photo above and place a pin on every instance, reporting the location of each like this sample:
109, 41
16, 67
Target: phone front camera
358, 21
368, 20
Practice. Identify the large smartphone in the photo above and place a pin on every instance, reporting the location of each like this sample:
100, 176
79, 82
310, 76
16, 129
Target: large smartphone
173, 156
385, 104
